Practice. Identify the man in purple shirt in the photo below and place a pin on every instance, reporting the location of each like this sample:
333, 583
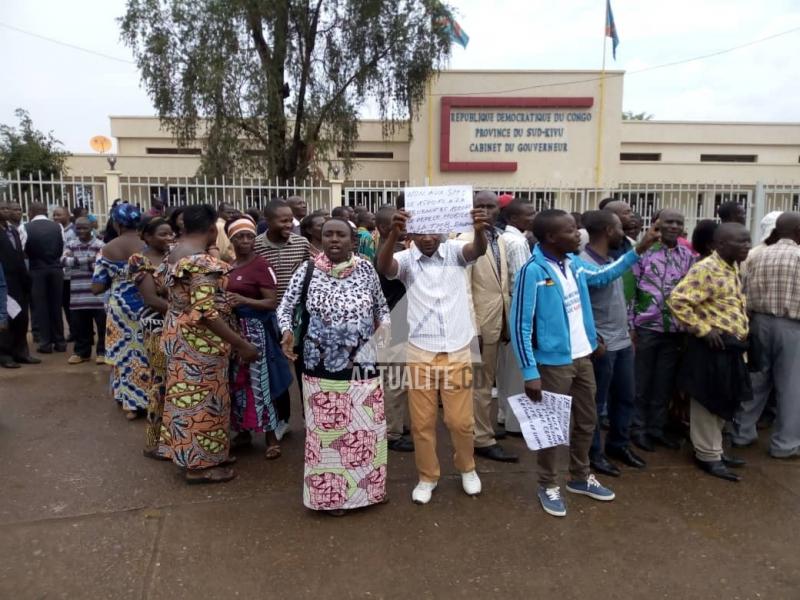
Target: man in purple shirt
656, 333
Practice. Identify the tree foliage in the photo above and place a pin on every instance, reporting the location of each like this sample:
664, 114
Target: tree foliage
276, 86
629, 115
26, 149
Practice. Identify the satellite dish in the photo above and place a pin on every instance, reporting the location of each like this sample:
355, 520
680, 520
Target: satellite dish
100, 143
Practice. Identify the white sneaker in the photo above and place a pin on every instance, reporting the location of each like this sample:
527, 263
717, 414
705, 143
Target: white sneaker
423, 492
281, 430
471, 483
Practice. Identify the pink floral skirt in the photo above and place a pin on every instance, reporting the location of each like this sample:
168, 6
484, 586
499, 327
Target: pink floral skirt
345, 454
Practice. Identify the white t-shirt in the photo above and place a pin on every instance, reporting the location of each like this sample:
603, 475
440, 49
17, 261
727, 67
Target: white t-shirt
572, 302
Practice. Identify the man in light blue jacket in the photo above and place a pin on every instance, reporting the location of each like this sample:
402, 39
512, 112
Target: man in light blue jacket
553, 336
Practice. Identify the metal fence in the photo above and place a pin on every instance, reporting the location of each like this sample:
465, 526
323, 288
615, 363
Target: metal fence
53, 191
241, 192
696, 201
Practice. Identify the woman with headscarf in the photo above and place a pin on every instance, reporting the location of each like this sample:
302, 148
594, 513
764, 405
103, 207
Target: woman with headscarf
130, 374
147, 270
251, 292
343, 306
197, 341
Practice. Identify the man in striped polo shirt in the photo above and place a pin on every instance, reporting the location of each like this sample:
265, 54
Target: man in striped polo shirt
285, 251
86, 309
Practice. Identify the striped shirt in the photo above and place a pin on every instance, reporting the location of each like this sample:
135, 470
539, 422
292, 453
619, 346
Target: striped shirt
439, 313
284, 258
772, 282
79, 258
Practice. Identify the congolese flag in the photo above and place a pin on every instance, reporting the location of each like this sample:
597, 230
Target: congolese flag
611, 29
454, 30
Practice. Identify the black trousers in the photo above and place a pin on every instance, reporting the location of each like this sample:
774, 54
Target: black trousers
658, 358
47, 291
65, 304
84, 322
14, 340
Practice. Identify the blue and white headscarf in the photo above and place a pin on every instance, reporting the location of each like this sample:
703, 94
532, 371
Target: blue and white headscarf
126, 215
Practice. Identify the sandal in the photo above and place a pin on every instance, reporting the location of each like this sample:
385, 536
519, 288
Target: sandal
155, 455
131, 415
212, 475
272, 452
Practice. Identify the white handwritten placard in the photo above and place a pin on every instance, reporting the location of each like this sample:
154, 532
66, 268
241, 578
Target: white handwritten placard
543, 424
439, 209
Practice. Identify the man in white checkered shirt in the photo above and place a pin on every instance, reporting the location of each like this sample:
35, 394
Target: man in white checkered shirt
441, 330
772, 287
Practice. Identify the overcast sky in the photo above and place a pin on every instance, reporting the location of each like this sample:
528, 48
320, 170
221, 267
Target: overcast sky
73, 93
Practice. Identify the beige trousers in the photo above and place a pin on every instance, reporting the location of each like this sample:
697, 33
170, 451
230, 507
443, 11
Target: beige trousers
449, 376
705, 430
482, 396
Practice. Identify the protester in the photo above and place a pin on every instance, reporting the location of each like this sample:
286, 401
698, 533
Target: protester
440, 334
197, 341
147, 269
658, 336
175, 220
772, 287
299, 211
3, 301
125, 352
62, 216
285, 252
553, 334
518, 216
613, 361
365, 222
342, 304
221, 247
311, 229
767, 236
732, 212
345, 212
709, 302
255, 385
44, 247
703, 237
14, 338
488, 286
634, 227
87, 310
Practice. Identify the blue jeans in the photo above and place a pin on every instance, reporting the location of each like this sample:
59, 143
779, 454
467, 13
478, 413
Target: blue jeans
614, 373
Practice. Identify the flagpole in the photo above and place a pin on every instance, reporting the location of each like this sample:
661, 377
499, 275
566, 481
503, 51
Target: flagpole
601, 109
429, 178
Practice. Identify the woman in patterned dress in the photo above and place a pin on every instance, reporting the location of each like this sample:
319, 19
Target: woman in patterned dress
130, 374
345, 453
147, 270
197, 341
251, 291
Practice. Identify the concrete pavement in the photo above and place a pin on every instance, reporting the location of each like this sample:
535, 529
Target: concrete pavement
84, 515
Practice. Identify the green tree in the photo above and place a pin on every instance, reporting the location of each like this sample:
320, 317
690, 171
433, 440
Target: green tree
276, 86
629, 115
26, 149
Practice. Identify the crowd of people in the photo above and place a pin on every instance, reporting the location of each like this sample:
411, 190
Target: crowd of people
206, 317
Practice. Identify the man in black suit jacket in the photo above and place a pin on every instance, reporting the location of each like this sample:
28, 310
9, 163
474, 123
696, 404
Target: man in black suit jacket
44, 247
14, 340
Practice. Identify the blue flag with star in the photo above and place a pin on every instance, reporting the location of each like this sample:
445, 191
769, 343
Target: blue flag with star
611, 29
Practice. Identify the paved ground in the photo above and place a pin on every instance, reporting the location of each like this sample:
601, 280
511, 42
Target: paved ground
83, 515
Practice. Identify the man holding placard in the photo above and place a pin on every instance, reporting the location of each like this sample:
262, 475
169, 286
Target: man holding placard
440, 323
553, 335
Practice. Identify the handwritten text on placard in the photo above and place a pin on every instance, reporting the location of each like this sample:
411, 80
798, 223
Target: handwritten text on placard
543, 424
439, 209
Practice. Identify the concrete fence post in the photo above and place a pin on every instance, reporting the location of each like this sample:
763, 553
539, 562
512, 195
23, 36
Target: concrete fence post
336, 192
113, 191
759, 210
